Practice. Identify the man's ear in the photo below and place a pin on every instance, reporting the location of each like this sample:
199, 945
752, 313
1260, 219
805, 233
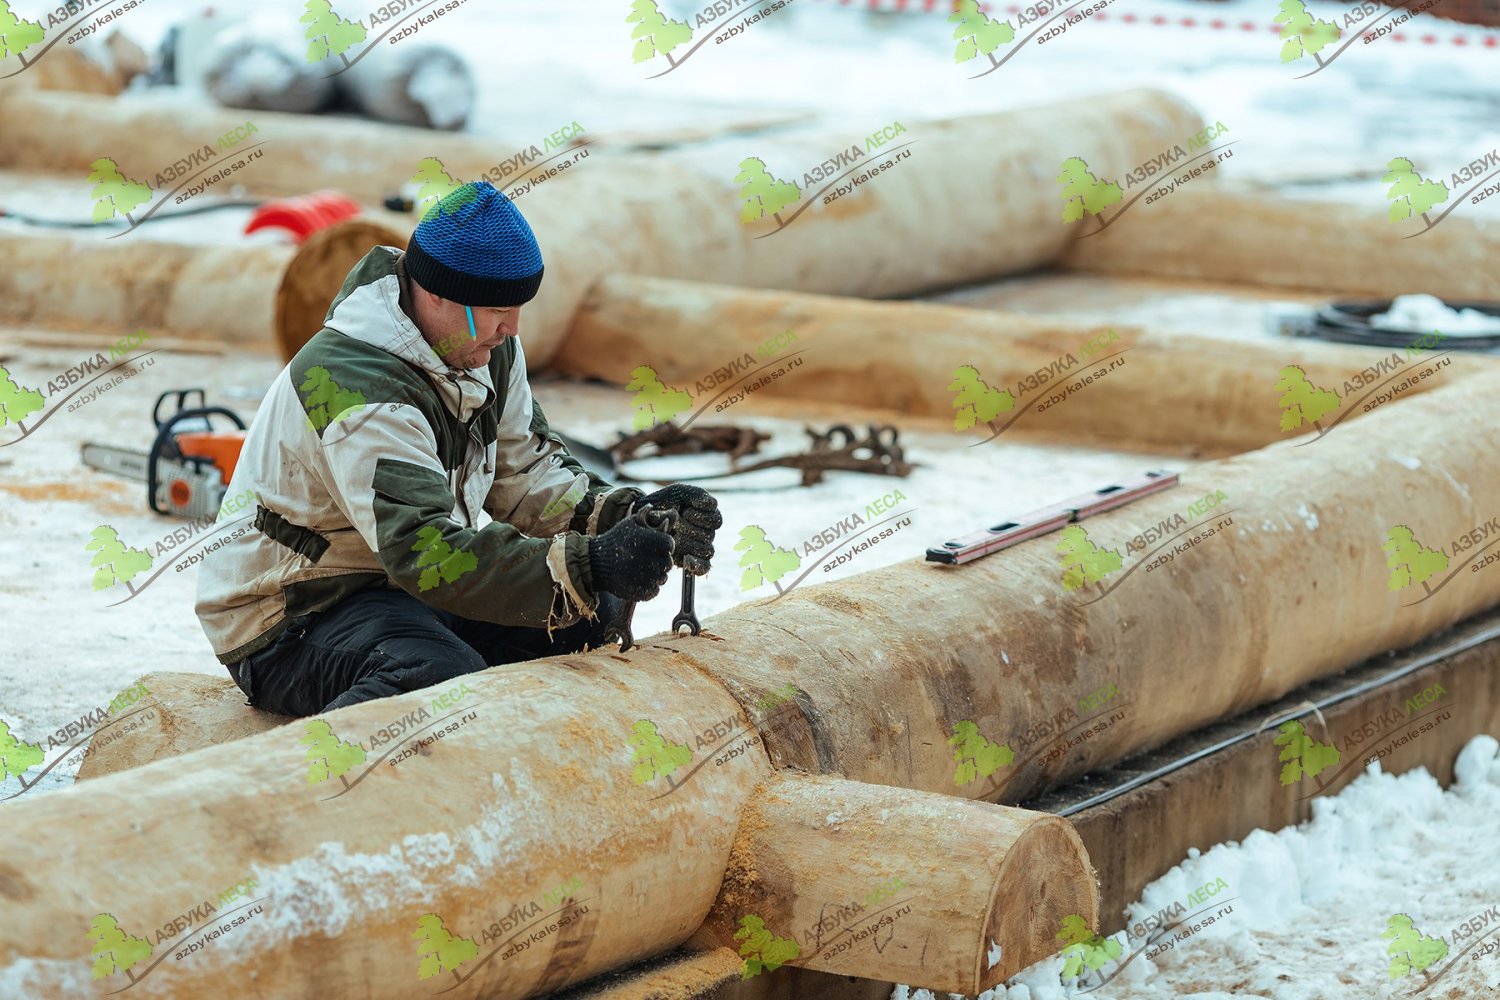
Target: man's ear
428, 299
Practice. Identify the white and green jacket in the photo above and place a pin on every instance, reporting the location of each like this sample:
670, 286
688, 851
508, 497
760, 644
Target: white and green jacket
374, 463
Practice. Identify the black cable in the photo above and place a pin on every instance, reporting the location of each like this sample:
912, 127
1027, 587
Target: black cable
195, 210
1349, 323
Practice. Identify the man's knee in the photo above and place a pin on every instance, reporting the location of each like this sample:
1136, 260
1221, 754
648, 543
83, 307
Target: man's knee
419, 663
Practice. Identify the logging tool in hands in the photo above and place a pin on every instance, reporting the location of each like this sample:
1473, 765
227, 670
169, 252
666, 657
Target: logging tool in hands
661, 520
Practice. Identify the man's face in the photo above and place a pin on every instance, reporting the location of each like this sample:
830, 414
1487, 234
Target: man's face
446, 328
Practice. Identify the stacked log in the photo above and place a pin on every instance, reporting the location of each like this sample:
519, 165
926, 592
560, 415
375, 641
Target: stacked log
619, 782
1222, 394
970, 203
1326, 247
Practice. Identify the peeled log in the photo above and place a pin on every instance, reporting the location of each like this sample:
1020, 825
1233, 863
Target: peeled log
466, 830
942, 880
185, 290
543, 787
1328, 247
891, 661
970, 204
62, 133
901, 356
469, 829
810, 848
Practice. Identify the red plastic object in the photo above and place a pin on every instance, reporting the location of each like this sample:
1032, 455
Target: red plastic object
304, 215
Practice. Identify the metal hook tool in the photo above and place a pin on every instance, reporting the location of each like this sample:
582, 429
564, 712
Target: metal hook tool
687, 616
661, 520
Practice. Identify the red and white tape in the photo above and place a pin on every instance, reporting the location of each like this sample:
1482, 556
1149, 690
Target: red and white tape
1491, 38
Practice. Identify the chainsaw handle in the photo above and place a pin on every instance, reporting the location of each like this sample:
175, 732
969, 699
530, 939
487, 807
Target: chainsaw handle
165, 438
182, 396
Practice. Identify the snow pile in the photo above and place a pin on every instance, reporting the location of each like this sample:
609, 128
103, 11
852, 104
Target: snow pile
1307, 905
1428, 312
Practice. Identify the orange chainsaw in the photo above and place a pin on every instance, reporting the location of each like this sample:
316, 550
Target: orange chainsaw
190, 463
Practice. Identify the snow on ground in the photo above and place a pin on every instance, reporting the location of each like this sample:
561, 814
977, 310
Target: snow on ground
1300, 914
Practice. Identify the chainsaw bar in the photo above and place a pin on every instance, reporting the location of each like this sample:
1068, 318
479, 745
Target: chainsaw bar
1048, 519
117, 461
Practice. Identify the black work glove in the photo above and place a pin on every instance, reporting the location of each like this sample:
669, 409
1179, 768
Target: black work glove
698, 518
630, 560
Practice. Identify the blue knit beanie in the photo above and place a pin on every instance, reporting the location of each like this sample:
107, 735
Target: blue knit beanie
474, 248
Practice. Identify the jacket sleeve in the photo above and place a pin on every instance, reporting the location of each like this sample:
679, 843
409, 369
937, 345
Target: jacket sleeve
542, 488
389, 483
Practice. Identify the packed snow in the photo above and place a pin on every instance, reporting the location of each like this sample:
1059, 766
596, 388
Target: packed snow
1428, 312
1299, 914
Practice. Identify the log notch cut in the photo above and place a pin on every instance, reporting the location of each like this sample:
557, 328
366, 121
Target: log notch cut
901, 886
929, 222
1295, 243
180, 713
1221, 394
611, 780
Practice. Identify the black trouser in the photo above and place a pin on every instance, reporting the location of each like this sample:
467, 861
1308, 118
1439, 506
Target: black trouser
380, 642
